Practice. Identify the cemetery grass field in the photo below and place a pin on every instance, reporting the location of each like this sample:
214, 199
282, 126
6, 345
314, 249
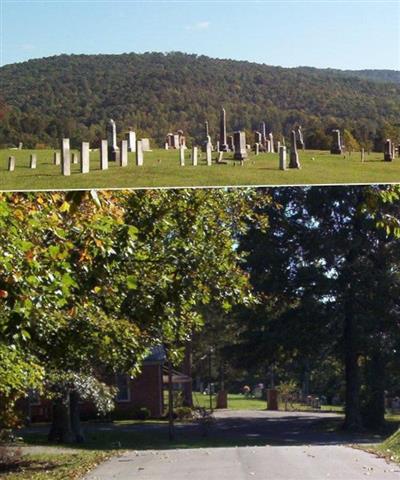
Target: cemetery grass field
161, 169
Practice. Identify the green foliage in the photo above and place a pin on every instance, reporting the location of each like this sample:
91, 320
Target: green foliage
157, 93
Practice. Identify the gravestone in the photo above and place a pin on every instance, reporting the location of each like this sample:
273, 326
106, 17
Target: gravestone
145, 145
268, 146
362, 155
231, 143
182, 156
388, 152
257, 137
337, 144
20, 145
300, 137
278, 146
85, 157
113, 150
218, 146
132, 141
65, 157
104, 155
11, 163
194, 156
223, 146
166, 146
263, 131
282, 157
240, 146
74, 158
220, 157
257, 148
206, 132
271, 141
57, 158
33, 160
139, 153
208, 154
294, 156
124, 154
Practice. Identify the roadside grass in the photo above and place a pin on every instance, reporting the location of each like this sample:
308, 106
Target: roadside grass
55, 466
161, 169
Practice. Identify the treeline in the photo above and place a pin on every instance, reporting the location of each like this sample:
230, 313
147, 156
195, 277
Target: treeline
75, 96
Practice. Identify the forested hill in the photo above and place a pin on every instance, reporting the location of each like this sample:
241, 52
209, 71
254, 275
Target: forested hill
74, 95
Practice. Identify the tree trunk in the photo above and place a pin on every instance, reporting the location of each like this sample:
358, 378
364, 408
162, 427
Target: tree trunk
60, 430
352, 373
373, 413
187, 370
76, 425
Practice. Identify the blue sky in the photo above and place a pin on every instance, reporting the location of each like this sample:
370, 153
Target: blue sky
338, 34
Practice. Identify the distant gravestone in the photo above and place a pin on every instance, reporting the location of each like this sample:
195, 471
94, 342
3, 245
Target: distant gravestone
231, 143
194, 156
388, 152
139, 153
240, 145
57, 158
124, 154
362, 155
263, 131
182, 156
337, 144
132, 141
257, 148
257, 137
268, 146
209, 154
85, 157
166, 146
282, 157
145, 145
271, 141
113, 150
300, 137
223, 146
65, 157
220, 157
75, 158
33, 160
104, 155
20, 145
11, 163
294, 156
278, 146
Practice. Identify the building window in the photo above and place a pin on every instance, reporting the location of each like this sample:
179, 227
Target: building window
122, 384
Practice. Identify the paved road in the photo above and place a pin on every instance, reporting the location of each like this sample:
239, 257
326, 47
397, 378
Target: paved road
294, 448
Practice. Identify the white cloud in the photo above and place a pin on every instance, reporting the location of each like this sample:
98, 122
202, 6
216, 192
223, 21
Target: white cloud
198, 26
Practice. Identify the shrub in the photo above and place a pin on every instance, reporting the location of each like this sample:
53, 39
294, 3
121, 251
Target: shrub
183, 413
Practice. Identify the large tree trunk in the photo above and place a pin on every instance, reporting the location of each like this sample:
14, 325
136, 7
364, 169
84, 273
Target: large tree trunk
373, 413
352, 371
60, 430
76, 425
187, 370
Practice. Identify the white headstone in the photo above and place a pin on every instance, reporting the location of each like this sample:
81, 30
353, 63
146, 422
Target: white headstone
166, 146
194, 156
65, 157
33, 160
182, 156
208, 154
132, 141
104, 155
146, 145
139, 153
11, 164
85, 157
124, 153
257, 148
282, 157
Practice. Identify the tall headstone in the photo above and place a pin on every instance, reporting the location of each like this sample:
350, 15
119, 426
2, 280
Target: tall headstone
300, 137
220, 157
268, 146
294, 156
57, 158
20, 145
104, 149
124, 154
131, 141
74, 158
257, 137
257, 148
182, 156
263, 131
337, 143
278, 146
11, 163
223, 146
113, 150
388, 152
209, 154
85, 157
194, 156
240, 146
271, 140
65, 157
33, 160
139, 153
282, 157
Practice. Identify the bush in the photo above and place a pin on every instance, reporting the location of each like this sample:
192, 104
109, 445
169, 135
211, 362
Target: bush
183, 413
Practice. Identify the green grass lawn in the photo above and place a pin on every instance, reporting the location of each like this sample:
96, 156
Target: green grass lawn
161, 169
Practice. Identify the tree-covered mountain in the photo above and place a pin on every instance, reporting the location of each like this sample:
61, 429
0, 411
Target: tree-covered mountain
75, 95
